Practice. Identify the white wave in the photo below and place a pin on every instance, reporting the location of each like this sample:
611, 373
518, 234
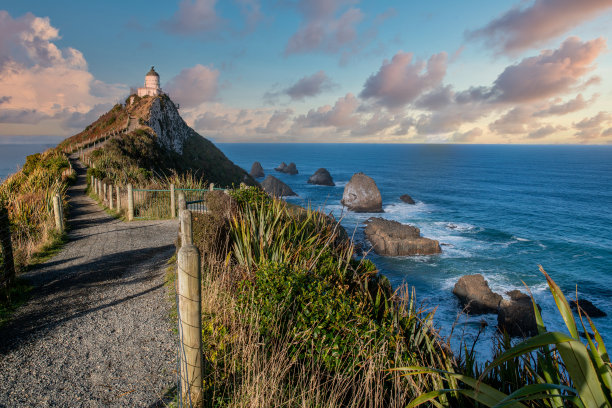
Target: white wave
521, 239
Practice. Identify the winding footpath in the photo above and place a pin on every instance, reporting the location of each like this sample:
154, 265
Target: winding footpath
96, 330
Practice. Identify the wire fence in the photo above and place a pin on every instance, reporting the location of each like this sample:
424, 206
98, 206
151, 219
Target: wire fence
157, 203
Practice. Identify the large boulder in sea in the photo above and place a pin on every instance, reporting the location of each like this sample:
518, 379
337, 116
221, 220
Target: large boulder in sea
257, 170
321, 177
391, 238
281, 167
515, 316
588, 308
405, 198
276, 188
362, 195
475, 295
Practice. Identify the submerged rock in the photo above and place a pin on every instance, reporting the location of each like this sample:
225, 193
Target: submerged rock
362, 195
407, 199
516, 316
256, 170
588, 308
390, 238
475, 295
321, 177
276, 188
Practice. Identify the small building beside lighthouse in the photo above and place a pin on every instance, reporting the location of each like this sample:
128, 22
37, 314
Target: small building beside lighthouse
151, 87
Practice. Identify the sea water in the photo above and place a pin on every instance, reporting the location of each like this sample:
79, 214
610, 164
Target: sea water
497, 210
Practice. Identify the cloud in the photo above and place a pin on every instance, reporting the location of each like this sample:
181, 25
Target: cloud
276, 122
570, 106
322, 29
548, 74
251, 11
341, 115
465, 137
194, 86
515, 121
193, 17
212, 121
522, 28
306, 87
593, 127
400, 81
43, 85
544, 131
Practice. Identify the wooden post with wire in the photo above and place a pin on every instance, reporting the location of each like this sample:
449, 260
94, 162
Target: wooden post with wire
130, 202
172, 202
211, 187
189, 314
8, 265
57, 212
110, 196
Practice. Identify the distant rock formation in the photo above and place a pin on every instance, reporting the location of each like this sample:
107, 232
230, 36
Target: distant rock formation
291, 169
276, 188
281, 167
321, 177
407, 199
362, 195
516, 316
390, 238
588, 307
257, 170
475, 295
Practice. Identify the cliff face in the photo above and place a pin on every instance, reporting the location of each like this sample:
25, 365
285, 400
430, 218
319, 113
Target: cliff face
168, 125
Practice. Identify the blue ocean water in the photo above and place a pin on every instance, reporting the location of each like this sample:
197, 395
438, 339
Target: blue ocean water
13, 156
497, 210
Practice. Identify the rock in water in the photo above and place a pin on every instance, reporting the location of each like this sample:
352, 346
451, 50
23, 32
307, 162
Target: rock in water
291, 169
281, 167
405, 198
276, 188
321, 177
362, 195
475, 295
257, 170
390, 238
588, 307
516, 316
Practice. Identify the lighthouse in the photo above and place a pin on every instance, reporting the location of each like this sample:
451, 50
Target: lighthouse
151, 83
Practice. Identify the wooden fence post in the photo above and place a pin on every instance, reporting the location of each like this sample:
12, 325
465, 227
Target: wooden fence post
8, 273
110, 196
130, 202
57, 212
182, 201
211, 187
104, 192
172, 203
118, 198
100, 189
190, 318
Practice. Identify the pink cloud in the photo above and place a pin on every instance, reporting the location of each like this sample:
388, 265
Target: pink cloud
193, 17
341, 115
465, 137
309, 86
550, 73
570, 106
400, 81
276, 122
543, 20
544, 131
322, 29
193, 86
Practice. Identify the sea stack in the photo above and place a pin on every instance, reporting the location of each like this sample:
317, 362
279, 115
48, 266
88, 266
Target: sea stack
362, 195
257, 170
391, 238
321, 177
475, 295
276, 188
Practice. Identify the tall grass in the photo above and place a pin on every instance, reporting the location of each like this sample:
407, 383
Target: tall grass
27, 195
292, 318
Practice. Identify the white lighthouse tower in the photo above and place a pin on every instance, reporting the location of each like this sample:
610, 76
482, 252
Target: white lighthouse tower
151, 87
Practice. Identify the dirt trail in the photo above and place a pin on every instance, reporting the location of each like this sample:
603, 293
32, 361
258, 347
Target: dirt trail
95, 331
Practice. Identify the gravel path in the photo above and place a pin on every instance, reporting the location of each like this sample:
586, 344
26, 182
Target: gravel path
95, 331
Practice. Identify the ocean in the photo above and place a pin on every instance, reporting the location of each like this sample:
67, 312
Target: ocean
13, 156
497, 210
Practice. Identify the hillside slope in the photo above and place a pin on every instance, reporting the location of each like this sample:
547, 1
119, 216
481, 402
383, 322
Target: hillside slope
160, 142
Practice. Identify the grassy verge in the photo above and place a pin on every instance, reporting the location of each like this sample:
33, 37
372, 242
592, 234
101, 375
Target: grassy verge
13, 298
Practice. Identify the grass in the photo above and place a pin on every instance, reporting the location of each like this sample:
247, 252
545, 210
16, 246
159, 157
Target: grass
49, 249
15, 296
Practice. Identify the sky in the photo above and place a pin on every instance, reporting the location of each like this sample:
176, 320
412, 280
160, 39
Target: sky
345, 71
